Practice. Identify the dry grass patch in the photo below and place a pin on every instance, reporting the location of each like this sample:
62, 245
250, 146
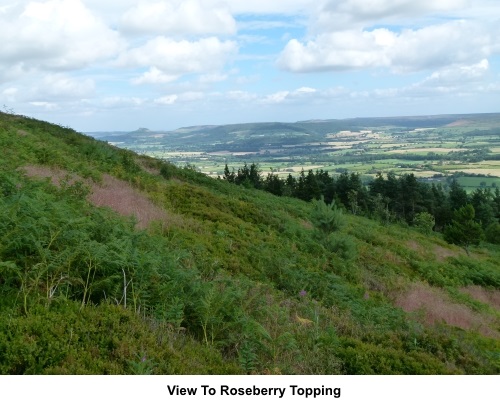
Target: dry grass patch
390, 257
490, 171
414, 245
116, 194
306, 224
435, 306
124, 199
443, 253
490, 297
55, 175
418, 150
459, 123
145, 165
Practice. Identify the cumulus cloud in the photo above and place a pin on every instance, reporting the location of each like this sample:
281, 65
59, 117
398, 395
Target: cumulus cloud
167, 100
400, 35
9, 94
460, 74
212, 78
54, 35
450, 80
186, 97
241, 96
341, 14
288, 96
121, 102
61, 86
191, 96
51, 89
154, 76
457, 81
178, 17
44, 105
170, 59
289, 7
409, 50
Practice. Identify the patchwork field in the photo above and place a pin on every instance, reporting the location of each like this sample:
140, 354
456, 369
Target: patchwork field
434, 147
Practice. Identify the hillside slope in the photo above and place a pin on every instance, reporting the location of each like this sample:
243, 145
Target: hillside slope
116, 263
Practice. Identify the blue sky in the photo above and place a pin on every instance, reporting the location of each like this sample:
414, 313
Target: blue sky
162, 64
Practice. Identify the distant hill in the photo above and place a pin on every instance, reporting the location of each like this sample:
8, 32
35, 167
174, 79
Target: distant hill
117, 263
272, 134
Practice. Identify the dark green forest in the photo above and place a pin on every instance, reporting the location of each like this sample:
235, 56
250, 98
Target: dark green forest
389, 199
117, 263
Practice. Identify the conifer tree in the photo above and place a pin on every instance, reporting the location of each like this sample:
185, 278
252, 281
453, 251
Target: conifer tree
464, 231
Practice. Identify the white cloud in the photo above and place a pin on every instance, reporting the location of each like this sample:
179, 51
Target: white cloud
287, 7
212, 78
334, 14
11, 91
460, 74
286, 96
49, 90
457, 81
256, 25
178, 17
154, 76
276, 98
9, 95
191, 96
60, 86
169, 58
334, 51
457, 42
54, 35
121, 102
241, 96
450, 80
167, 100
44, 105
410, 50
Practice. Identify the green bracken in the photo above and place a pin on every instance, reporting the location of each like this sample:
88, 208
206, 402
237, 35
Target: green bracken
229, 280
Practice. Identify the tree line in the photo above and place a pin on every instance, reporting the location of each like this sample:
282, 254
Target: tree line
388, 198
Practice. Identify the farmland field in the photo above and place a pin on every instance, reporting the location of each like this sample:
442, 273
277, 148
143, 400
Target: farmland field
431, 147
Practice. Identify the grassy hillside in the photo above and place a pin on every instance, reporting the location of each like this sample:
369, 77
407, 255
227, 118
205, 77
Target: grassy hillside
112, 262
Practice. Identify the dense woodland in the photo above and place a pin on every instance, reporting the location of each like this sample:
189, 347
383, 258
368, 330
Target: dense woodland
115, 263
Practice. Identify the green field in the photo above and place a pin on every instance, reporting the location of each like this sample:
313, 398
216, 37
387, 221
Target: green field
429, 147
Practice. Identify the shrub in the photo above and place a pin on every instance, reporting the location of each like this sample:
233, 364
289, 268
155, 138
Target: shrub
424, 222
344, 246
327, 217
493, 233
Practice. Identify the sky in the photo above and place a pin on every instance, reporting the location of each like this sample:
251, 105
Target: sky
105, 65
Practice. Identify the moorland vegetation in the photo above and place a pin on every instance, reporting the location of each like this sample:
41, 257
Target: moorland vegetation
117, 263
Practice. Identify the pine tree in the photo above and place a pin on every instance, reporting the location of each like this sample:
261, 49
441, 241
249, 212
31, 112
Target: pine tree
229, 176
464, 231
